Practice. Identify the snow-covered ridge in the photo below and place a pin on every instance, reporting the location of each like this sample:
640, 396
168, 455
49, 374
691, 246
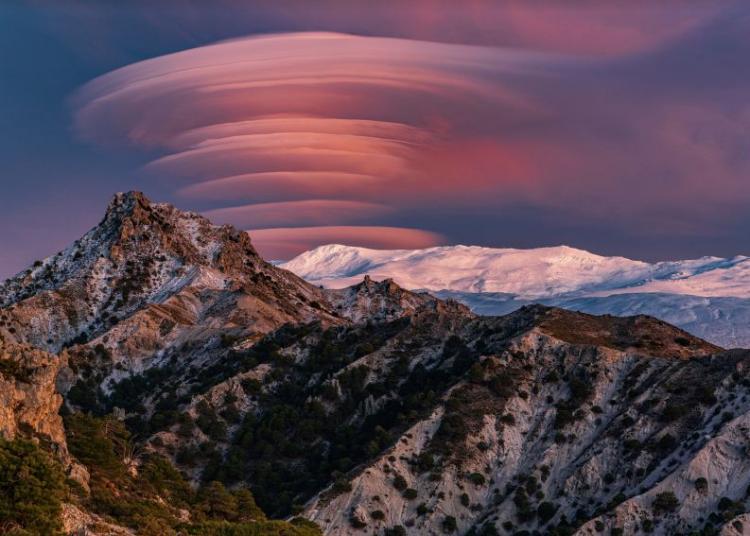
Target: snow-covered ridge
709, 297
525, 273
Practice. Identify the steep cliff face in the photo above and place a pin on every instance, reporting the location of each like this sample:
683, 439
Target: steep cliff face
29, 402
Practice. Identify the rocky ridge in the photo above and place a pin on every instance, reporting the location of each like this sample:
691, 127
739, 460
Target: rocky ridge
370, 409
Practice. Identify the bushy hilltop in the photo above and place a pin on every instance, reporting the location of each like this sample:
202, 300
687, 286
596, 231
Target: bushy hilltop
199, 379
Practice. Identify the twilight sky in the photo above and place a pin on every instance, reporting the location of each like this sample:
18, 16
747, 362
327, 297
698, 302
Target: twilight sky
618, 127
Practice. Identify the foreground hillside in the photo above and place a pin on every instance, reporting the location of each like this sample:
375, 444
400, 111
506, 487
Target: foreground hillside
709, 297
204, 391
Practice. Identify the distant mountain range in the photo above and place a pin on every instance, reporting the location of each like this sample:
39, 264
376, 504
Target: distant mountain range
158, 377
709, 297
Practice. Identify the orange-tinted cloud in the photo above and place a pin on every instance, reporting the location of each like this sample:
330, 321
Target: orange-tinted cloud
285, 185
313, 129
307, 212
320, 129
284, 243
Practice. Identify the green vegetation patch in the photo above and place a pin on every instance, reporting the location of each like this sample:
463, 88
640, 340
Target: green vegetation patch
32, 486
150, 498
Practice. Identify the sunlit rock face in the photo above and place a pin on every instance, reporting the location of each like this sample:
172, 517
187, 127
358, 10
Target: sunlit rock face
29, 402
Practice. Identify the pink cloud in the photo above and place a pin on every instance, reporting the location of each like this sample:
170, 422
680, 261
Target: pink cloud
310, 74
307, 212
285, 185
303, 131
382, 130
590, 27
284, 243
308, 129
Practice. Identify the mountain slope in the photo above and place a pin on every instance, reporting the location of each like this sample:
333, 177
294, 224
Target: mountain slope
147, 256
723, 321
160, 318
709, 296
192, 371
545, 431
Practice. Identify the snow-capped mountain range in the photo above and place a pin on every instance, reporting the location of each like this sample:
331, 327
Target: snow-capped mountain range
709, 297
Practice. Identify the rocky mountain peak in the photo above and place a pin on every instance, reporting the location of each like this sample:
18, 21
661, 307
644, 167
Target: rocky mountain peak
380, 301
385, 286
135, 224
132, 233
143, 254
125, 202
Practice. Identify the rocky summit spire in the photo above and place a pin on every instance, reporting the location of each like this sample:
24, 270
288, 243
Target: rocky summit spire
126, 200
143, 253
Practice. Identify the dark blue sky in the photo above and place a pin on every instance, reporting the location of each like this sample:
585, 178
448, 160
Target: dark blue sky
621, 130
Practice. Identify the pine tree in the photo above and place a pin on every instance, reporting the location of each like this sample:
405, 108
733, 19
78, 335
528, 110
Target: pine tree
32, 486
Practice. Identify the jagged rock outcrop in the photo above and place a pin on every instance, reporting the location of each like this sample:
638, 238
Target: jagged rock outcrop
379, 301
151, 263
78, 522
29, 402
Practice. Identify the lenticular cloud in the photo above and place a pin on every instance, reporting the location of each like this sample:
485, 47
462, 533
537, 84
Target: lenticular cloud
313, 117
317, 137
